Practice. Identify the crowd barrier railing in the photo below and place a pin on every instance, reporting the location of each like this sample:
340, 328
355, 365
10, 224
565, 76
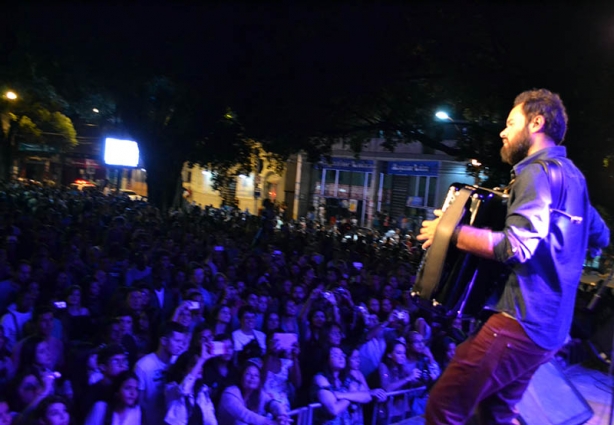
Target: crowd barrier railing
304, 415
386, 407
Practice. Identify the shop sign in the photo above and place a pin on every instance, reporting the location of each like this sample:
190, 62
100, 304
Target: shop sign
32, 147
349, 164
413, 168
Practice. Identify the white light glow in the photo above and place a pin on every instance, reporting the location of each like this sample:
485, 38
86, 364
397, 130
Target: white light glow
95, 110
124, 153
442, 115
11, 95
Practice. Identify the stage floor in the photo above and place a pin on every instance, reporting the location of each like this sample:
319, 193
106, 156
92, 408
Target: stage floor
593, 384
596, 388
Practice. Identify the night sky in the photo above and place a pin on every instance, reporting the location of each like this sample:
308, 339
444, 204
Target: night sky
281, 57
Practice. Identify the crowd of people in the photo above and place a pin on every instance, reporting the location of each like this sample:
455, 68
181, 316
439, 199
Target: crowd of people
113, 312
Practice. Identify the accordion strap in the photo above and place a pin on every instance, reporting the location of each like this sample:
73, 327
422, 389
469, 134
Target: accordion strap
431, 274
552, 167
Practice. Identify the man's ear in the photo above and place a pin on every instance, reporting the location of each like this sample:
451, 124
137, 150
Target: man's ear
537, 124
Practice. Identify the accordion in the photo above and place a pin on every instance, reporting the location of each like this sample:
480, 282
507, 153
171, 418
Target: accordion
453, 282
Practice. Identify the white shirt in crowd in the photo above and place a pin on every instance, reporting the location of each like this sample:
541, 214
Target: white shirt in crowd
160, 295
177, 409
13, 323
241, 339
151, 372
99, 410
371, 354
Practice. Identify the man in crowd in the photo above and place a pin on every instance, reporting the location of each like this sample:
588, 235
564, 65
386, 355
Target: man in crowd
247, 332
9, 288
151, 371
42, 324
112, 360
17, 316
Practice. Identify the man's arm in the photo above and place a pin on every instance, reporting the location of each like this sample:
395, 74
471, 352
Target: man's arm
599, 234
480, 242
526, 224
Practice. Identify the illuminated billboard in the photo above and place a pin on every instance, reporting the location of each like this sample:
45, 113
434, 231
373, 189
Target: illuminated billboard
122, 153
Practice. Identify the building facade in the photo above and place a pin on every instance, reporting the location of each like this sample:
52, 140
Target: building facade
408, 183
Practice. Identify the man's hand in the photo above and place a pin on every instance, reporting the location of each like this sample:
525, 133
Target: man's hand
427, 232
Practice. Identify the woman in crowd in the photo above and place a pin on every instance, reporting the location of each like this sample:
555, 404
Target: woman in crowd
93, 300
394, 371
246, 403
30, 389
423, 328
75, 319
35, 355
142, 333
281, 370
359, 383
419, 357
123, 407
396, 374
220, 282
221, 320
386, 307
332, 388
187, 397
271, 322
24, 388
288, 321
444, 349
314, 352
312, 330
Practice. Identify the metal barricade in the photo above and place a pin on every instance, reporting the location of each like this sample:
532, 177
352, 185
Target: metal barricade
387, 405
304, 415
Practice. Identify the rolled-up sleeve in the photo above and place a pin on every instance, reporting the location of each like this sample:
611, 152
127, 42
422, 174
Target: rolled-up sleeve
528, 217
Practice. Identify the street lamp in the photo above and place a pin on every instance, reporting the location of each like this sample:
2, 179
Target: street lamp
95, 110
441, 115
10, 95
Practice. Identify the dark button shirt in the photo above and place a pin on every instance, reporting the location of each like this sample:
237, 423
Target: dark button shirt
546, 249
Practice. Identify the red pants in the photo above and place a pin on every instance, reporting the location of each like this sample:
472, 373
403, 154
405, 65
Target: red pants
490, 372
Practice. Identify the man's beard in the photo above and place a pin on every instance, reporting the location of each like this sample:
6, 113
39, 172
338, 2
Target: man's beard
518, 149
